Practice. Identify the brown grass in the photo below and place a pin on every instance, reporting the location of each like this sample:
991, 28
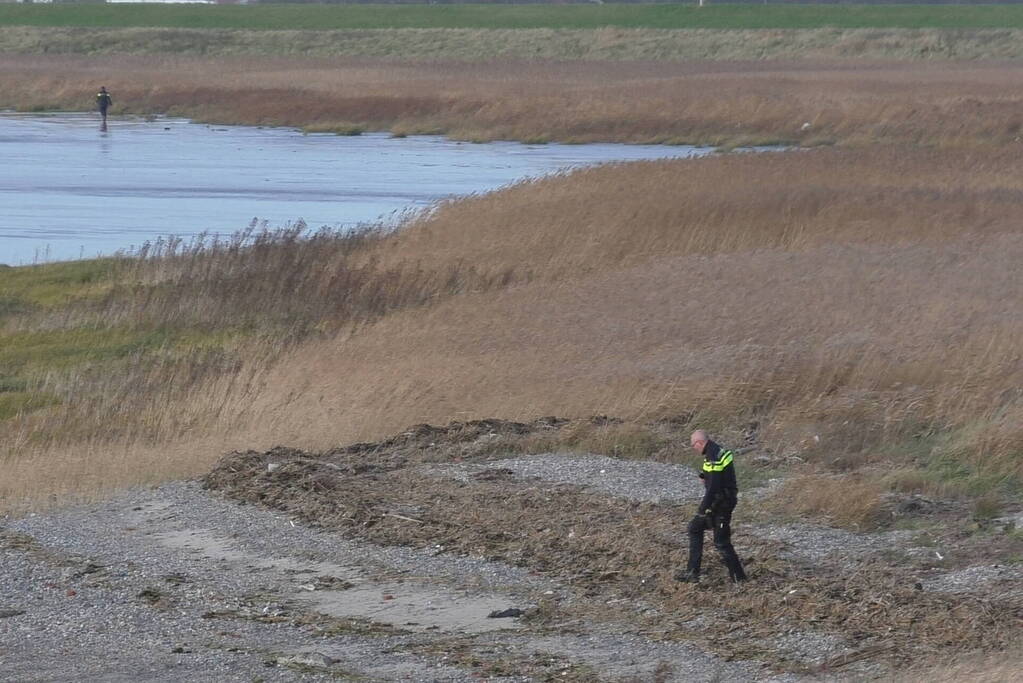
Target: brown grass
235, 306
619, 216
650, 292
809, 103
606, 44
282, 281
1003, 668
858, 303
853, 502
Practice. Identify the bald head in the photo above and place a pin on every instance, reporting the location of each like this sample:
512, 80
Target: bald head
698, 440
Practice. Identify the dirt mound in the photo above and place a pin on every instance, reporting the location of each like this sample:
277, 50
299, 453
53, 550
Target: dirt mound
416, 439
615, 551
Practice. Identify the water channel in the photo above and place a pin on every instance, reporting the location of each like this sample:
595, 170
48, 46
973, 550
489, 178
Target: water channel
70, 190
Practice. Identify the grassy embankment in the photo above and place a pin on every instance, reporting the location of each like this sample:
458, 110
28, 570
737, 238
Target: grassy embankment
861, 305
473, 44
467, 32
319, 17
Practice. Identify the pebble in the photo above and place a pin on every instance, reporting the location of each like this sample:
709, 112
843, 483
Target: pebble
637, 480
81, 596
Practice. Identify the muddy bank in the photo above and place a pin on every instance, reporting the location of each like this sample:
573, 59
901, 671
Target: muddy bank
864, 599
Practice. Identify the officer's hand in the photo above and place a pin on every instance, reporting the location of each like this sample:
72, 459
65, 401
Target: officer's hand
708, 512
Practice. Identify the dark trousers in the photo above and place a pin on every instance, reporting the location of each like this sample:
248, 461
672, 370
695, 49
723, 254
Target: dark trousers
719, 522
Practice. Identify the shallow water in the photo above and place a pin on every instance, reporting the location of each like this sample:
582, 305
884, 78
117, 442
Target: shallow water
69, 190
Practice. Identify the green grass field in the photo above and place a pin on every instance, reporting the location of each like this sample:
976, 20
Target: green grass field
50, 291
268, 17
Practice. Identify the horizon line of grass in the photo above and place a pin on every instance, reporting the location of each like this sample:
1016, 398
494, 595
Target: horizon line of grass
664, 16
608, 44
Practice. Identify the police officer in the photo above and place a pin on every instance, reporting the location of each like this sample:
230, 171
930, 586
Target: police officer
103, 102
715, 512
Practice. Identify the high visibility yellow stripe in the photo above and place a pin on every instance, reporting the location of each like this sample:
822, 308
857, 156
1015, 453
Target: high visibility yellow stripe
720, 464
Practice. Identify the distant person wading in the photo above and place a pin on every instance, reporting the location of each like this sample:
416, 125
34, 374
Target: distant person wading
103, 102
715, 512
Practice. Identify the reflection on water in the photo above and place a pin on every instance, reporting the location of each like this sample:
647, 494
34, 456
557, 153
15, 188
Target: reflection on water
71, 190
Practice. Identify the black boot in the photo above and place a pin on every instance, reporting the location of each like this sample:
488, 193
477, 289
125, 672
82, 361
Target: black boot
691, 574
735, 571
687, 576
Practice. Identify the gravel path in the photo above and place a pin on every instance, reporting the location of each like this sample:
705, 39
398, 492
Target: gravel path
173, 584
118, 595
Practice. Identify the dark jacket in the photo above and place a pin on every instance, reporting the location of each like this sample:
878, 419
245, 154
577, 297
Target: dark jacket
718, 475
103, 99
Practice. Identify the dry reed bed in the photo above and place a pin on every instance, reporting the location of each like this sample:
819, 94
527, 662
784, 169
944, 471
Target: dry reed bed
858, 347
242, 302
605, 44
282, 282
620, 215
857, 296
731, 102
868, 298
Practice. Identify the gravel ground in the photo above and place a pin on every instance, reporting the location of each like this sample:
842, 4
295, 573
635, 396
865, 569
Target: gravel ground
632, 658
983, 576
677, 484
173, 584
813, 648
106, 590
631, 479
815, 543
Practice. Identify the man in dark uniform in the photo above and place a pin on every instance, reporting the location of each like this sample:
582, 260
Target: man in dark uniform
103, 102
715, 512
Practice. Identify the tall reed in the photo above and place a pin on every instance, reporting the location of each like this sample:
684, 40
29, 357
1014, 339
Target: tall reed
808, 103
